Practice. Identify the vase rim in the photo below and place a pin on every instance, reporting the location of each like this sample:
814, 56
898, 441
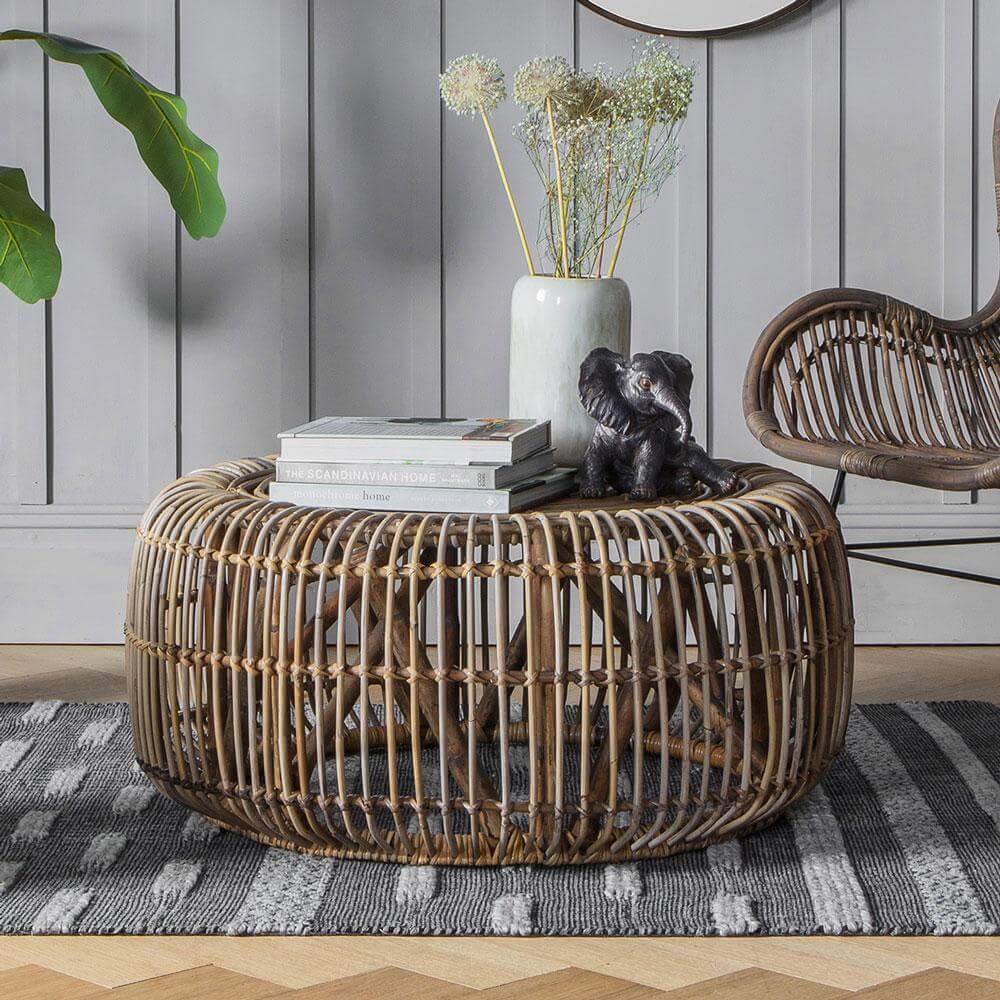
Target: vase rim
573, 277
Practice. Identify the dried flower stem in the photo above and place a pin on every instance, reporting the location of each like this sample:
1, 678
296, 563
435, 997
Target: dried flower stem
548, 214
631, 198
610, 231
607, 198
559, 186
510, 195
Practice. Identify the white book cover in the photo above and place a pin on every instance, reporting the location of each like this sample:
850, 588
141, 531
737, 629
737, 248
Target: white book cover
532, 492
458, 440
475, 476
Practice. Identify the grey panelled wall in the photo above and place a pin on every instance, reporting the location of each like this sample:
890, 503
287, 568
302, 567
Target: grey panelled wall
368, 256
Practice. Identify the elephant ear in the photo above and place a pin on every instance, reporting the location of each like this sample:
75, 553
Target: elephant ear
600, 392
680, 369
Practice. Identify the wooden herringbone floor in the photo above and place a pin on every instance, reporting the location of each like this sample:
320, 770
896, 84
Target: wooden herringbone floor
316, 968
554, 969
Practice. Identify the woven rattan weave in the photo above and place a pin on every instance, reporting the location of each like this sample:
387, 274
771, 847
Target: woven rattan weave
610, 682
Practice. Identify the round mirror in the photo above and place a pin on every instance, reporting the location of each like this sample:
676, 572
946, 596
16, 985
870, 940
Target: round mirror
692, 17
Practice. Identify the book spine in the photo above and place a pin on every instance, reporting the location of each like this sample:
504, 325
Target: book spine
386, 474
404, 498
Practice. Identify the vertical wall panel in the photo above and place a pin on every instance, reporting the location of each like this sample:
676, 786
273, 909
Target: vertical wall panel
893, 161
160, 271
761, 190
987, 94
958, 155
377, 224
825, 203
115, 307
482, 253
894, 166
294, 157
244, 294
691, 239
825, 134
23, 389
957, 233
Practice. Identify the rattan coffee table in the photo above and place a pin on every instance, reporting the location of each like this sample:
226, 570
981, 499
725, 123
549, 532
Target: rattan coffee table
587, 682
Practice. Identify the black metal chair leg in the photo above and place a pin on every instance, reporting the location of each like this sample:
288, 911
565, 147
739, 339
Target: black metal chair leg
861, 550
955, 574
838, 489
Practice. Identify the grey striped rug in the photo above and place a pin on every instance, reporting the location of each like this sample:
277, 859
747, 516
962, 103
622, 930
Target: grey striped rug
903, 837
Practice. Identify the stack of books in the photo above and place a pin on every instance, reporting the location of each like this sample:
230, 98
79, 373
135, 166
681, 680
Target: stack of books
473, 466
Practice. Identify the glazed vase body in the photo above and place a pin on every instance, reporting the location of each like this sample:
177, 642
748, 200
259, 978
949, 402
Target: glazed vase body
554, 324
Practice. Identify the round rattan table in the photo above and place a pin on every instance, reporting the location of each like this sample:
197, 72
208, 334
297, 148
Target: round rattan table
590, 681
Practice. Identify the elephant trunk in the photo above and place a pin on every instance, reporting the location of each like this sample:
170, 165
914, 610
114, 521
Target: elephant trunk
668, 401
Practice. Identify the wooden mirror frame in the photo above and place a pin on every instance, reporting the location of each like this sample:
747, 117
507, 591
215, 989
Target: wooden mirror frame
781, 9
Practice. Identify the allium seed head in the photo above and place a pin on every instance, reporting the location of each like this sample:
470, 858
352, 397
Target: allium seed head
471, 84
541, 79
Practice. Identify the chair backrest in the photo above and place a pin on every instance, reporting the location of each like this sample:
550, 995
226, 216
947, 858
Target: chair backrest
887, 375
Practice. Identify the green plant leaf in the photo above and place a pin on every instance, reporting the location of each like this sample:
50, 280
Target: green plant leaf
30, 263
184, 164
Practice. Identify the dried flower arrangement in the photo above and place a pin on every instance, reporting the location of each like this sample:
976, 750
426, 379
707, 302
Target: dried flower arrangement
602, 143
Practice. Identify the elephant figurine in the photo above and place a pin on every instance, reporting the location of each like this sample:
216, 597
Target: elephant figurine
642, 445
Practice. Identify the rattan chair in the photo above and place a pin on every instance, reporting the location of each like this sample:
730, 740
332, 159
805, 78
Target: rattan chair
859, 382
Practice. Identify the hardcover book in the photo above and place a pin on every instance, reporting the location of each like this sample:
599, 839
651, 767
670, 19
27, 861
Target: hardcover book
475, 476
456, 440
419, 499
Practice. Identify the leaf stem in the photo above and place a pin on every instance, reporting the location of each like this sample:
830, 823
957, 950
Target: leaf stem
559, 186
510, 196
631, 198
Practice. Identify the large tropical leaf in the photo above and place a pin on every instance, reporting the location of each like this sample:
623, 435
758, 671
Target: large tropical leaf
184, 164
30, 264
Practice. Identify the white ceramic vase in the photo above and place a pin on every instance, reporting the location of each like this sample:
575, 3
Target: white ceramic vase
554, 324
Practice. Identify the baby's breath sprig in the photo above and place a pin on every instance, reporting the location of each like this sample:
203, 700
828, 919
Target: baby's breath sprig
587, 98
656, 92
659, 86
473, 84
